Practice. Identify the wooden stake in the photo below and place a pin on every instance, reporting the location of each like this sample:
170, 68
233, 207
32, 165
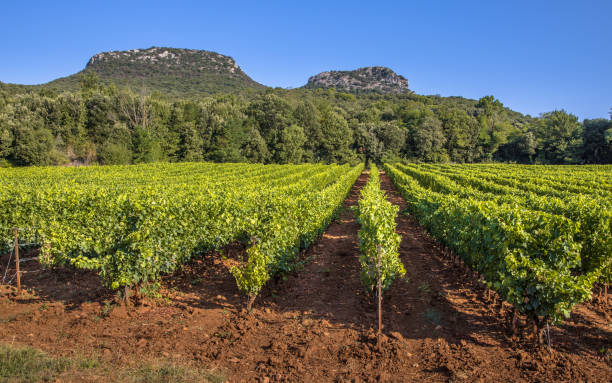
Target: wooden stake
379, 287
548, 337
539, 329
514, 320
126, 296
47, 254
16, 247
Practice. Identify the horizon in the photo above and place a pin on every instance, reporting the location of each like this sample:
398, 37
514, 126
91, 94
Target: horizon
534, 58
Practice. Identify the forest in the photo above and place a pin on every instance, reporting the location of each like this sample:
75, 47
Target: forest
105, 124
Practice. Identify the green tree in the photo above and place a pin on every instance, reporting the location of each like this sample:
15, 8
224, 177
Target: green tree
226, 144
145, 148
171, 137
101, 117
89, 82
307, 116
114, 154
526, 147
392, 136
429, 141
272, 115
190, 144
560, 137
290, 148
254, 149
6, 142
494, 125
367, 143
461, 131
337, 139
597, 141
521, 147
33, 146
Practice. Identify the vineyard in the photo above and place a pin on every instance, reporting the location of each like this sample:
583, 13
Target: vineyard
541, 237
436, 245
135, 223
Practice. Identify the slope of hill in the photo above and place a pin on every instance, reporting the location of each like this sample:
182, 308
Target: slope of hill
190, 73
376, 79
175, 72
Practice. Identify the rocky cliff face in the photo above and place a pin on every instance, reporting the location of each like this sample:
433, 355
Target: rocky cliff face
369, 79
140, 62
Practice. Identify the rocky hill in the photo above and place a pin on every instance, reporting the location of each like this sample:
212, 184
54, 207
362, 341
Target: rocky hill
369, 79
180, 72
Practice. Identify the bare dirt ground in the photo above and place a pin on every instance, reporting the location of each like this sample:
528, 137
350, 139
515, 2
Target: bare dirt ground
315, 326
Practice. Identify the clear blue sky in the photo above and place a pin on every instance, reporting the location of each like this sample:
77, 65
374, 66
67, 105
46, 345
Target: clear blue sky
535, 56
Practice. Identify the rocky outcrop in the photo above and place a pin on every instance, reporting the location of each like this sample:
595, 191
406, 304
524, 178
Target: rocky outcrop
172, 71
186, 61
369, 79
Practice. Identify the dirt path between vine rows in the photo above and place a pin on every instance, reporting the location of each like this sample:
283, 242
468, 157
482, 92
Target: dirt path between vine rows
315, 326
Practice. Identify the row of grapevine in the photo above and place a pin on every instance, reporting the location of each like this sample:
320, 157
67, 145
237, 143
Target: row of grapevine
594, 215
576, 180
529, 257
296, 221
377, 234
560, 187
135, 223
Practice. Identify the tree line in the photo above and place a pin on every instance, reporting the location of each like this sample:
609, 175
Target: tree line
108, 125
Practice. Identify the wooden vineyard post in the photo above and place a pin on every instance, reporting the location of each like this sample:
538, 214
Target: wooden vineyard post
514, 320
16, 248
126, 296
252, 296
47, 253
379, 288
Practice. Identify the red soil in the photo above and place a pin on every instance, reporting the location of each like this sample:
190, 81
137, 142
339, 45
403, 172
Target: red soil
315, 326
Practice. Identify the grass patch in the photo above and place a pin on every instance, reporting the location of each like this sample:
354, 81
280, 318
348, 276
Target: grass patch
29, 365
170, 373
26, 364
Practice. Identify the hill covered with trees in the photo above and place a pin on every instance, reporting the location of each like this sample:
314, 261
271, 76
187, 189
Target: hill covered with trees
105, 115
175, 72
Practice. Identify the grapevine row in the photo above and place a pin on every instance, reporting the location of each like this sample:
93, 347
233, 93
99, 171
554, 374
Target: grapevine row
593, 215
529, 257
378, 240
135, 223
